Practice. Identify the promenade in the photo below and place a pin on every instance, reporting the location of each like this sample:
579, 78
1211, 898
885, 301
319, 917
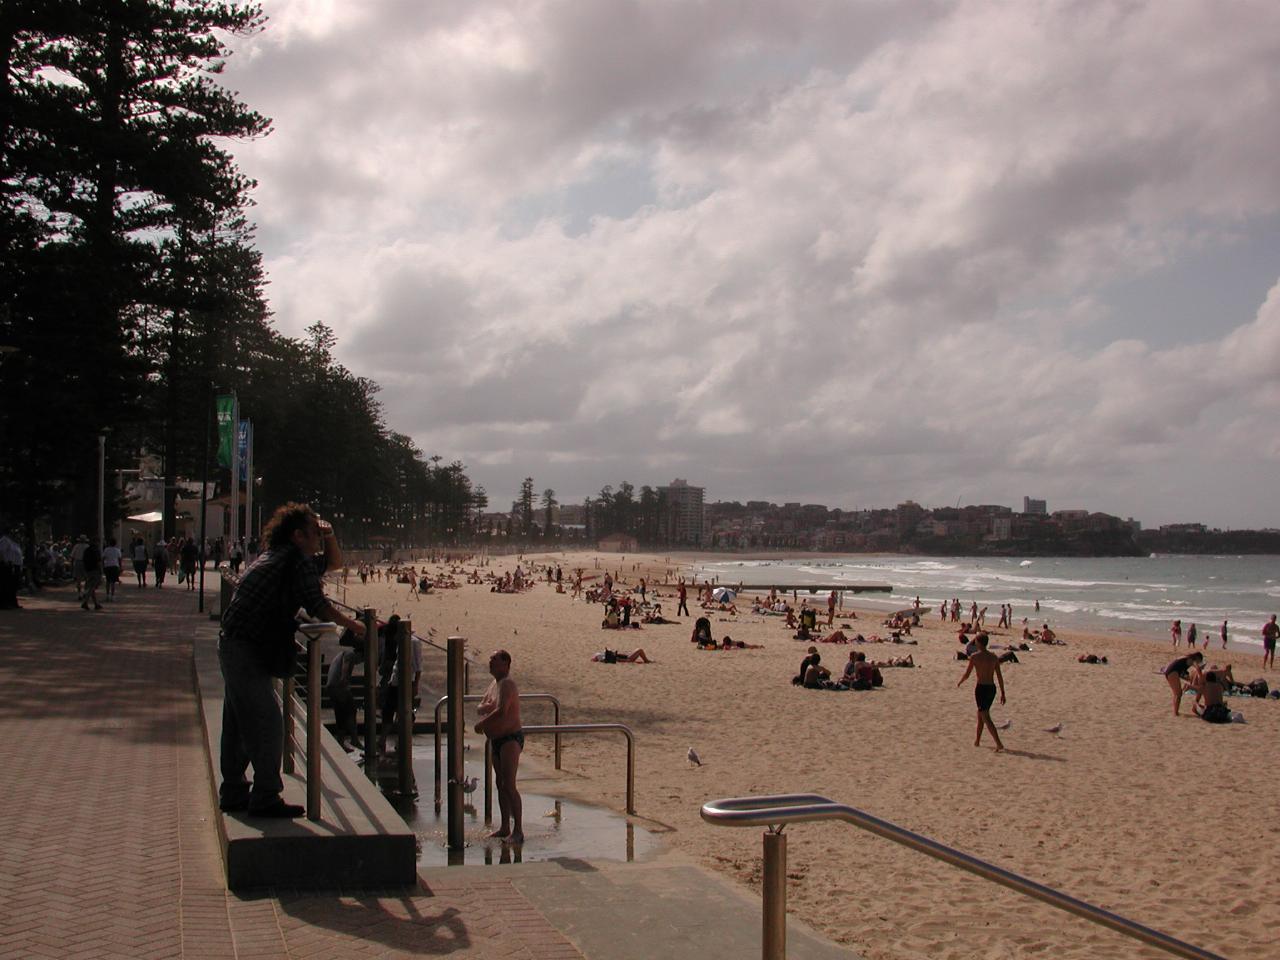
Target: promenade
111, 851
109, 848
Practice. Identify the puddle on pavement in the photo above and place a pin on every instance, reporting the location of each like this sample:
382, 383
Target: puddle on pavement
554, 828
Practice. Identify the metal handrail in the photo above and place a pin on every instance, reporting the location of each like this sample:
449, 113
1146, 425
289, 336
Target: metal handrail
427, 640
775, 812
559, 728
475, 698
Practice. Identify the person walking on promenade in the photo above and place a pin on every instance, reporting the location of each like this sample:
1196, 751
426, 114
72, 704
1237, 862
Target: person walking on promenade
683, 608
985, 666
1269, 634
499, 713
160, 560
187, 555
138, 554
257, 644
112, 559
92, 561
77, 564
10, 572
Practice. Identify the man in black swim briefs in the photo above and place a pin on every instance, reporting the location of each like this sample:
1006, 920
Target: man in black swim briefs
499, 712
985, 666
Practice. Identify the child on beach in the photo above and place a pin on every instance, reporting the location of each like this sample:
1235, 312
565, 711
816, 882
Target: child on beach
985, 666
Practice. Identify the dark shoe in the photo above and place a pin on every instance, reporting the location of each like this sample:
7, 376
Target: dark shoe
85, 605
233, 806
279, 809
96, 606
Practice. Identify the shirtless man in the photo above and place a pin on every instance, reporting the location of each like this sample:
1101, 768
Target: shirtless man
1269, 634
984, 665
499, 713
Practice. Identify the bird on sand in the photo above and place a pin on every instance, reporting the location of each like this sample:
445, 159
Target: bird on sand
694, 759
1004, 726
1055, 729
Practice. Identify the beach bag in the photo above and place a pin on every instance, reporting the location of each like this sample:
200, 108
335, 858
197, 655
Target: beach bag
1258, 688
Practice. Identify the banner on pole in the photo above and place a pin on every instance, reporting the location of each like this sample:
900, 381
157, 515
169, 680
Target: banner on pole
244, 450
226, 406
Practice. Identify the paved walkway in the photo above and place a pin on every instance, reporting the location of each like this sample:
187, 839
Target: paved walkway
108, 849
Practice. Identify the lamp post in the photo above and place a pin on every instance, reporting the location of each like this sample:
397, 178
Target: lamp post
102, 480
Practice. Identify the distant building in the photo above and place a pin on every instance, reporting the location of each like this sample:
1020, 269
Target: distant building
1182, 528
685, 512
1040, 507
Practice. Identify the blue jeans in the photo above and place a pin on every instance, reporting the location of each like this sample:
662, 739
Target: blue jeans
252, 728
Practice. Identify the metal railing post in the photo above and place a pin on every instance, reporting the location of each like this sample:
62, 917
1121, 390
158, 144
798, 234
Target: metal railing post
404, 743
457, 663
773, 936
313, 728
370, 684
286, 703
488, 780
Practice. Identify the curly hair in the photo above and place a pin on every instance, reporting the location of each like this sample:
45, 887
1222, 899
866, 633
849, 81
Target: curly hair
285, 521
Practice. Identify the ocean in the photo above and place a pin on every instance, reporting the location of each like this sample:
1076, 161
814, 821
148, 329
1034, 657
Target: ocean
1114, 594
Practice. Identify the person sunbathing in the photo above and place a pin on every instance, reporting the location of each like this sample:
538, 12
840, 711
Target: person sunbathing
1090, 658
907, 661
728, 643
836, 636
611, 656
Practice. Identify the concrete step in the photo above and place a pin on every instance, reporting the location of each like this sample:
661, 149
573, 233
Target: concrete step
359, 841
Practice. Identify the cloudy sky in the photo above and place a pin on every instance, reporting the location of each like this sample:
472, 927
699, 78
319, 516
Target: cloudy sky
836, 251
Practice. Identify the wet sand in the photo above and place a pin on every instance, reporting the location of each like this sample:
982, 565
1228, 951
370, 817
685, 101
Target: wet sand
1168, 821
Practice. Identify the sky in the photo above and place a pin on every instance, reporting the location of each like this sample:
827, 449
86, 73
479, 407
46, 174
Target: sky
848, 252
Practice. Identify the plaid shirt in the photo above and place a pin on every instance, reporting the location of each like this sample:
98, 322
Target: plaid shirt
278, 583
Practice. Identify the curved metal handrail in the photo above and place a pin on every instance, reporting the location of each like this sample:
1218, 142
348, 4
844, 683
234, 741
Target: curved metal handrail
476, 698
776, 811
559, 728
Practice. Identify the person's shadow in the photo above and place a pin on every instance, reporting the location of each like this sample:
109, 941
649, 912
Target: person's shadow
1029, 755
365, 918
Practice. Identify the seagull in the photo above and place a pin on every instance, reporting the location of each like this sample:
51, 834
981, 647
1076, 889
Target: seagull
1056, 729
693, 758
469, 784
1004, 726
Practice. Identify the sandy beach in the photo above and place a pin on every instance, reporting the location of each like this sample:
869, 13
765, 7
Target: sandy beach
1168, 821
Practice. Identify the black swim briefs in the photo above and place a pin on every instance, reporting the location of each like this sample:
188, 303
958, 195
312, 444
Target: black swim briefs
985, 695
498, 742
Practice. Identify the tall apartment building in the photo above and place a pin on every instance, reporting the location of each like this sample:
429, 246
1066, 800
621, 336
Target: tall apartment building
1034, 506
684, 518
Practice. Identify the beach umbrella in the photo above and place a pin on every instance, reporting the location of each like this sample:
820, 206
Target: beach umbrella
722, 594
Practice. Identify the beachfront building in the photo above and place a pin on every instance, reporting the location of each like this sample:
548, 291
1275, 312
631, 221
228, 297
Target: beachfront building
684, 514
1038, 507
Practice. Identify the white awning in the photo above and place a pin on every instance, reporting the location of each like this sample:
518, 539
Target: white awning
155, 516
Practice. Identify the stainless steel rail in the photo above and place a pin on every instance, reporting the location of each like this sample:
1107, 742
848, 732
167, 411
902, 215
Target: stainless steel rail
313, 632
560, 728
475, 698
775, 812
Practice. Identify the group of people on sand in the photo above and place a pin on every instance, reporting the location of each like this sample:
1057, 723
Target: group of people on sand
1187, 674
859, 673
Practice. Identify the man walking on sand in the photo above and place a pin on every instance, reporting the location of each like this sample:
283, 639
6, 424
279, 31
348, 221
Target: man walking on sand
683, 608
499, 712
984, 665
1269, 634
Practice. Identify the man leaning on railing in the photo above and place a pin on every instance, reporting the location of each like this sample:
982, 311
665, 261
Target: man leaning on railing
257, 644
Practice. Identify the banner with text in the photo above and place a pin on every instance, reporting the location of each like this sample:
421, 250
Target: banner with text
226, 430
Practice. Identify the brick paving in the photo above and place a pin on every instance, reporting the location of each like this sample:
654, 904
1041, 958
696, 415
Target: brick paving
109, 848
